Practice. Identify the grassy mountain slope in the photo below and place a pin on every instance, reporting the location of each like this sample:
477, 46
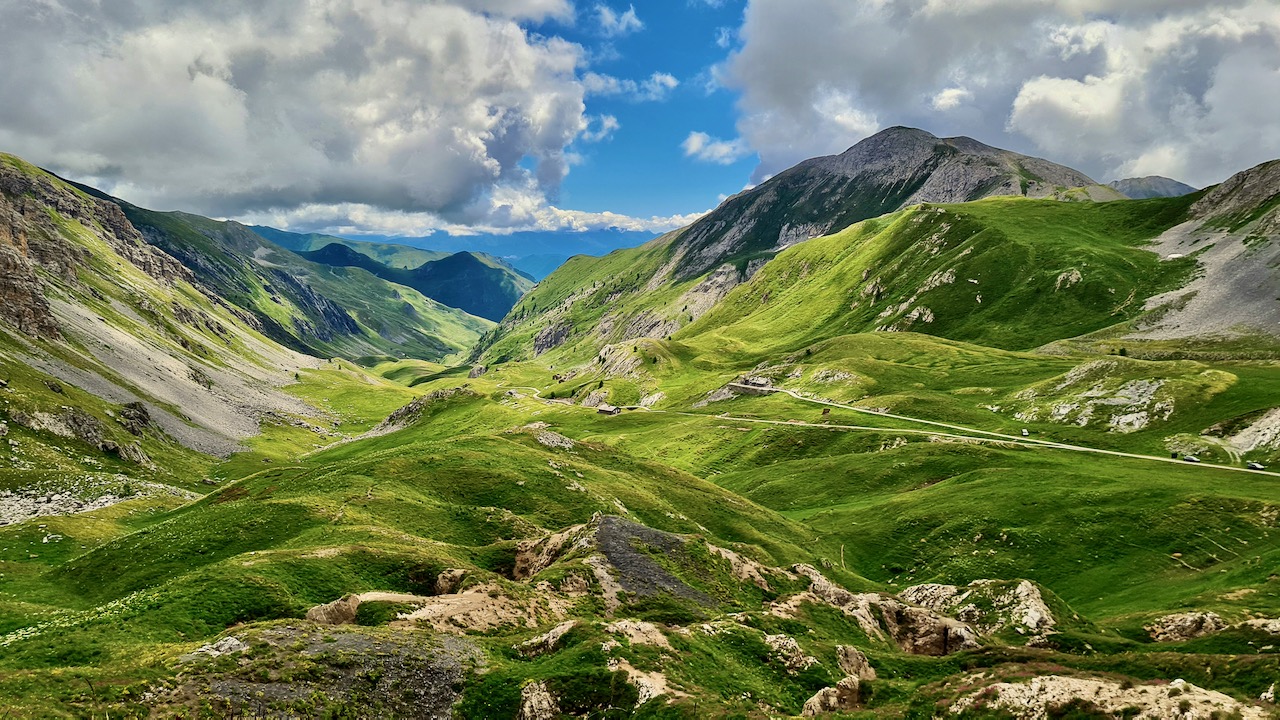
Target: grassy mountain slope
1003, 273
890, 170
1012, 273
306, 305
705, 553
479, 284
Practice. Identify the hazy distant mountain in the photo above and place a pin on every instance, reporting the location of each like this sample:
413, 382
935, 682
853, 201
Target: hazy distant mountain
535, 252
1152, 186
480, 284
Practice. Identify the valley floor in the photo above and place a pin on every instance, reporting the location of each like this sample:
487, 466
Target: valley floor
428, 542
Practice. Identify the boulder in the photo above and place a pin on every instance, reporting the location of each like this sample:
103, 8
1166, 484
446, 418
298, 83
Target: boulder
537, 703
339, 612
546, 642
448, 580
854, 663
843, 697
785, 650
1184, 626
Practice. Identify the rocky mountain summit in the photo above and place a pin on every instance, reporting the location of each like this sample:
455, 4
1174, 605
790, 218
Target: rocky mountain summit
1151, 186
890, 170
1232, 232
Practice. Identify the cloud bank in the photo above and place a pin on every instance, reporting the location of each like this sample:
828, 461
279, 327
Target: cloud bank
447, 111
1184, 88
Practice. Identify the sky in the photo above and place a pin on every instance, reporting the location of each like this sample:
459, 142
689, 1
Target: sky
408, 117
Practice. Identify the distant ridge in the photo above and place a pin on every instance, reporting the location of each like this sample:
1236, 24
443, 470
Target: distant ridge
1151, 186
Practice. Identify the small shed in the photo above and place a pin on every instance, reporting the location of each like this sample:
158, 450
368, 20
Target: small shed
607, 409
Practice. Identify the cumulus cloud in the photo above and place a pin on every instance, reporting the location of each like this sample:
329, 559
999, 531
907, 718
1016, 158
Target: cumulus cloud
656, 87
1183, 88
227, 109
615, 24
600, 127
703, 147
513, 212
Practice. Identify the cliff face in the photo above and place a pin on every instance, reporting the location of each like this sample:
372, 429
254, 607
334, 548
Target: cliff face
34, 249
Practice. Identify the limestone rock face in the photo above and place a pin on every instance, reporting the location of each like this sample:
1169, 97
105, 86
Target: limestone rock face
546, 642
32, 205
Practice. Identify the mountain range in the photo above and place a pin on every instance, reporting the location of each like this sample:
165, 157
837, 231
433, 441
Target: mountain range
924, 429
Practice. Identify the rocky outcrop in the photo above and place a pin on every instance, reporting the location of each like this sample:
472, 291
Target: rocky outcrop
990, 606
1184, 626
37, 212
1177, 699
699, 300
226, 646
339, 612
534, 555
785, 651
913, 629
854, 663
550, 337
74, 423
845, 696
477, 371
414, 410
546, 642
537, 703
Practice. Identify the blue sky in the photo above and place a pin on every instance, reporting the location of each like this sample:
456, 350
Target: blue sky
413, 117
640, 169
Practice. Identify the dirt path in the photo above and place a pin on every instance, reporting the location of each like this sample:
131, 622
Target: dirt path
984, 435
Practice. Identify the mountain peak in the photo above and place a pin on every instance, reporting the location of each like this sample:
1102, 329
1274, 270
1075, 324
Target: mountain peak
894, 168
1151, 186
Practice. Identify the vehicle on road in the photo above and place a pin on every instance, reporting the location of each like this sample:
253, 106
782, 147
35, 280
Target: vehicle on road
1255, 466
1191, 458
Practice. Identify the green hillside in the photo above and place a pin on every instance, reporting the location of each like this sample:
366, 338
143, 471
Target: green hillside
305, 305
876, 474
476, 283
1007, 273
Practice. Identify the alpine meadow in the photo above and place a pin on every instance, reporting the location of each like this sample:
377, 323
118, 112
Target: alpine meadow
909, 426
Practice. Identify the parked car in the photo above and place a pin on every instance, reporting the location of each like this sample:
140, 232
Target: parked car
1191, 458
1255, 466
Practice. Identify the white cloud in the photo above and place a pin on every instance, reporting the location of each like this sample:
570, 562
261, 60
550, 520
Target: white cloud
703, 147
518, 213
1181, 87
951, 98
604, 128
724, 37
228, 109
656, 87
615, 24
